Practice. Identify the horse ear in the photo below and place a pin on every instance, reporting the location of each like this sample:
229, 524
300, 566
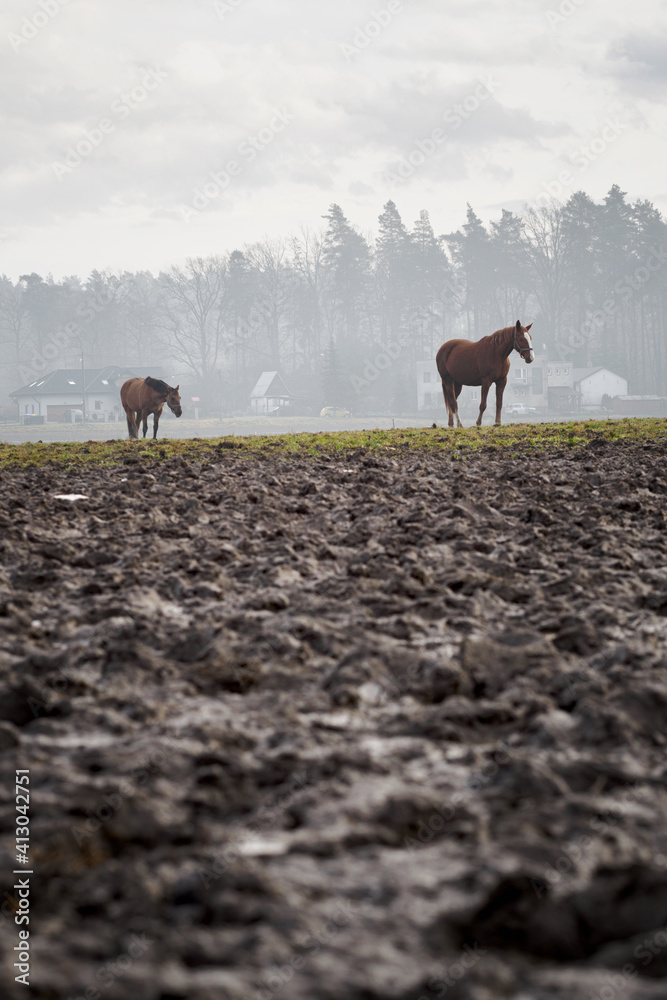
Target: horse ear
518, 326
528, 327
177, 388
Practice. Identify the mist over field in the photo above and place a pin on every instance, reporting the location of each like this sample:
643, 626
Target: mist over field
326, 193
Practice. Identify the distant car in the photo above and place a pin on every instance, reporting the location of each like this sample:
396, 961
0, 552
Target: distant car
334, 411
519, 409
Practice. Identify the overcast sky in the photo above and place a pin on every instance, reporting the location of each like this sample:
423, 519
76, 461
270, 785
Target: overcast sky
116, 114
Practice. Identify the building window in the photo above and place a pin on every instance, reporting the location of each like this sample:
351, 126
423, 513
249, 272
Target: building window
548, 371
426, 377
98, 404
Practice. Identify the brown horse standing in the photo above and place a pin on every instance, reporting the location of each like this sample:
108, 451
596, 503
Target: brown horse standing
142, 396
481, 362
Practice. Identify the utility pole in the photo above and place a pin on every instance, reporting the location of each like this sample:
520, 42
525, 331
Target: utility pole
83, 385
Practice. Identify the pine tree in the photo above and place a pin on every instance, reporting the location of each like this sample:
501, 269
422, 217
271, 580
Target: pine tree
335, 390
393, 273
472, 254
432, 292
346, 257
581, 248
511, 273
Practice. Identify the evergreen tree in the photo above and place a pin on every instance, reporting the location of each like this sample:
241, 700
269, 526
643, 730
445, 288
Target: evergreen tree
511, 272
335, 388
473, 257
393, 273
346, 257
432, 292
582, 265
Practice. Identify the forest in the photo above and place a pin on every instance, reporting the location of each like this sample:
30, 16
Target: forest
322, 308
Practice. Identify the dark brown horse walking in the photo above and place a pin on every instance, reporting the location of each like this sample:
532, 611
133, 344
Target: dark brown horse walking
481, 362
142, 396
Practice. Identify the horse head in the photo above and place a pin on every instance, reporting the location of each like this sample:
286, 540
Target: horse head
523, 343
174, 401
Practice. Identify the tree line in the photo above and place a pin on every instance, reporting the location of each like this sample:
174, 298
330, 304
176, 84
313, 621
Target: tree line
352, 315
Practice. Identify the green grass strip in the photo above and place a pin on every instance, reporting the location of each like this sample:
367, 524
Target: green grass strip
455, 442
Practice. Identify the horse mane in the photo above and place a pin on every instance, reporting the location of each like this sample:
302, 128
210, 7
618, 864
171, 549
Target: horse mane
505, 332
157, 384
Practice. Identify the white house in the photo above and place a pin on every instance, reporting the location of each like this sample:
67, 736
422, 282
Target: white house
429, 386
591, 384
55, 395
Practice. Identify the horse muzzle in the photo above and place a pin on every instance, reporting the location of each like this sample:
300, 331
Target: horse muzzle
529, 357
176, 410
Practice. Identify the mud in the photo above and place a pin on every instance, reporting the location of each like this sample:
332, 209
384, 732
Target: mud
365, 727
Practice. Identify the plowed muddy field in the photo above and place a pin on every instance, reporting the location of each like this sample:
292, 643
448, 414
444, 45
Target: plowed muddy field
365, 726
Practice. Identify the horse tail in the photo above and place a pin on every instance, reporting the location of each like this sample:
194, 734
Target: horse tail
448, 393
132, 429
129, 411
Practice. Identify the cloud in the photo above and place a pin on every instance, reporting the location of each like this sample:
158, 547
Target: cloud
230, 67
640, 61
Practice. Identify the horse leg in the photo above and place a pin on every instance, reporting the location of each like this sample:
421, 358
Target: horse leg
500, 388
156, 420
132, 429
486, 385
145, 424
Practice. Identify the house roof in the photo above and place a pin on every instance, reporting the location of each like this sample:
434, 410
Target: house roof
582, 373
270, 384
69, 380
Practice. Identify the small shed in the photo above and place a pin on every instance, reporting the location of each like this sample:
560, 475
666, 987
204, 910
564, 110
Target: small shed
269, 394
592, 384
